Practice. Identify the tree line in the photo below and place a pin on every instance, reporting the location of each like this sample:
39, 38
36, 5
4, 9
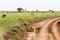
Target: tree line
21, 9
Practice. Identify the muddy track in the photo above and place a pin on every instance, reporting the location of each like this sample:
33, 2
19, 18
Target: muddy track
46, 30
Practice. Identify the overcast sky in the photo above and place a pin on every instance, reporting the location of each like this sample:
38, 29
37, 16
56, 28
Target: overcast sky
11, 5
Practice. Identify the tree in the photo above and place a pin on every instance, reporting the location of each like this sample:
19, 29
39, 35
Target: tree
19, 9
37, 10
25, 10
51, 11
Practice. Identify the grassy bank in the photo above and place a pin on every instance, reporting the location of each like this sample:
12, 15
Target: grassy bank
15, 23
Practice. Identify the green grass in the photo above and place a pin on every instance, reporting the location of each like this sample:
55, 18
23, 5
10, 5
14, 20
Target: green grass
12, 19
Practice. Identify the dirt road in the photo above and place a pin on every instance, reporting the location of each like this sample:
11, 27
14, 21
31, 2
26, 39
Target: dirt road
46, 30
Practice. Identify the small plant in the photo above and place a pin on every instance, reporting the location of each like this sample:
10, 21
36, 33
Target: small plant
4, 15
32, 13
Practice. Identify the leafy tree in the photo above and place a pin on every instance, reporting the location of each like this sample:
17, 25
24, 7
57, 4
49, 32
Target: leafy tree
19, 9
51, 11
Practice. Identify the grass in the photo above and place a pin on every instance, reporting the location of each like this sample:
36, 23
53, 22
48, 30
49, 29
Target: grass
12, 19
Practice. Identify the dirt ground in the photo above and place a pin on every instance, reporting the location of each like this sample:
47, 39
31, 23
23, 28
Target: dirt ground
48, 29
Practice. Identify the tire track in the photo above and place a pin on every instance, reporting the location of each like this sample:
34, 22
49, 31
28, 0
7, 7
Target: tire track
45, 30
56, 30
43, 35
32, 35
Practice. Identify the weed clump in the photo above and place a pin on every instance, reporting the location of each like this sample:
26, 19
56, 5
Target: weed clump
4, 15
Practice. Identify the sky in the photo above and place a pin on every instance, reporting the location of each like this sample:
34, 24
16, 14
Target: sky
43, 5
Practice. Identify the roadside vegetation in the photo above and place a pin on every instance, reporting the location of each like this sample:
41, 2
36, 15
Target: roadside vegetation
16, 24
